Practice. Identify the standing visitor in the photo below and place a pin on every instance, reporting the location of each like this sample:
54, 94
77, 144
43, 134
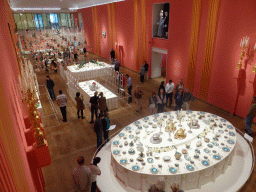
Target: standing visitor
187, 98
250, 116
62, 102
95, 170
176, 188
179, 86
138, 97
129, 87
82, 178
178, 100
152, 103
161, 100
117, 65
146, 69
112, 55
102, 103
169, 92
161, 87
84, 49
159, 186
98, 128
106, 125
94, 106
50, 86
142, 72
79, 105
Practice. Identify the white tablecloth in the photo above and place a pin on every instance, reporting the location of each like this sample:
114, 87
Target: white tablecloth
112, 99
187, 179
89, 71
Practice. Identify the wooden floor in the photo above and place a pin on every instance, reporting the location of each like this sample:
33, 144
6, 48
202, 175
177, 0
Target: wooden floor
76, 137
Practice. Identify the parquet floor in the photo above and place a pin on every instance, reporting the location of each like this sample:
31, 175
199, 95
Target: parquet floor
76, 137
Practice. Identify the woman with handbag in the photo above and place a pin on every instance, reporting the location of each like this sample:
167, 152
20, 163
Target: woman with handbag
79, 105
152, 103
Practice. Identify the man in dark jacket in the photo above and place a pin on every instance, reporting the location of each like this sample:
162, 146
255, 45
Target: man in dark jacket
94, 106
50, 85
250, 116
98, 129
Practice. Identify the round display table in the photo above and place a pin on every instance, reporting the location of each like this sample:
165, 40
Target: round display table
190, 148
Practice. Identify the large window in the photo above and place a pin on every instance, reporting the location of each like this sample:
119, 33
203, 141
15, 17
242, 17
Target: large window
43, 21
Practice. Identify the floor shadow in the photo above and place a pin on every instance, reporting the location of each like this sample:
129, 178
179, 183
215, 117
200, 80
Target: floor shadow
241, 84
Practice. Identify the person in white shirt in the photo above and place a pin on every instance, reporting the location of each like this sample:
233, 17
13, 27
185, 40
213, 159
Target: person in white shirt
95, 170
82, 177
62, 102
169, 92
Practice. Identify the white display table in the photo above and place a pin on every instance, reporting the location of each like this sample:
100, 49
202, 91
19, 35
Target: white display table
112, 99
190, 171
89, 71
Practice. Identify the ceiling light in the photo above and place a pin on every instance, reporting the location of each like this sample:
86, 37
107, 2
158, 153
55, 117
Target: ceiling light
36, 9
113, 1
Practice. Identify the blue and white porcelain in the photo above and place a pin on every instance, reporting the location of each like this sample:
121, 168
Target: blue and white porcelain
139, 127
154, 170
231, 133
155, 120
189, 111
150, 123
214, 116
135, 168
215, 143
173, 170
187, 158
128, 128
230, 127
210, 145
223, 120
116, 143
206, 150
146, 126
231, 141
225, 149
217, 157
123, 161
131, 136
137, 122
221, 131
121, 134
205, 163
156, 115
168, 113
116, 152
190, 167
146, 118
202, 112
150, 160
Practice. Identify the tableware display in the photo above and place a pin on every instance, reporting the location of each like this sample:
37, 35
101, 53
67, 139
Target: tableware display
207, 150
154, 126
223, 120
150, 160
139, 158
146, 126
116, 152
210, 145
150, 123
184, 151
157, 156
231, 141
154, 170
214, 116
206, 139
190, 167
137, 122
116, 143
199, 143
188, 145
131, 136
231, 133
217, 157
131, 151
135, 168
187, 157
121, 134
126, 143
128, 128
137, 132
123, 161
215, 143
177, 155
173, 170
146, 118
166, 158
120, 146
205, 163
225, 149
230, 127
196, 156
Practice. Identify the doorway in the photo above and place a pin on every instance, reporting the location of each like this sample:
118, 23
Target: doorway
159, 62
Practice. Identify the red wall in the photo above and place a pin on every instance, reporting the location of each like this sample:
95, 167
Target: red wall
88, 28
236, 20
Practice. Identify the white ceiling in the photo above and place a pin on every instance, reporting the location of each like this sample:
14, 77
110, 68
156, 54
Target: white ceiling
64, 5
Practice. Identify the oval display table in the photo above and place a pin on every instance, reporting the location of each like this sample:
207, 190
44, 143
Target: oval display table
188, 155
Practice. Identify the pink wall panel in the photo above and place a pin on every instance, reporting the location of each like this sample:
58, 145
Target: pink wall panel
125, 33
88, 28
236, 20
105, 46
